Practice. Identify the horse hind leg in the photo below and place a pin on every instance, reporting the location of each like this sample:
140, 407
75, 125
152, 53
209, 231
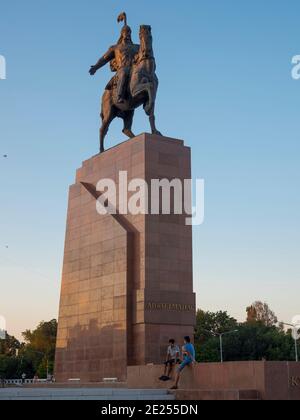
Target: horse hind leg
128, 120
149, 108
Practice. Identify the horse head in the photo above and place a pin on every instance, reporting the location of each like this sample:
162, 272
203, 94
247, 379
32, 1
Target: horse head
144, 82
146, 42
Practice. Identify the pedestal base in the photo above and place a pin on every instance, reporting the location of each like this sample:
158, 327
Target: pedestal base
127, 284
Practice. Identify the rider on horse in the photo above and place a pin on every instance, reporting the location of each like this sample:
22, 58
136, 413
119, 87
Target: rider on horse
135, 83
121, 57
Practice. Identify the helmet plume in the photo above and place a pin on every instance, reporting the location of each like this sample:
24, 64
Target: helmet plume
122, 18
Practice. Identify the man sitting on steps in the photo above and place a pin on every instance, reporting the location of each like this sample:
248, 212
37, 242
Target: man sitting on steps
173, 357
189, 358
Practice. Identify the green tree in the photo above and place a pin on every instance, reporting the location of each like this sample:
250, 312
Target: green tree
261, 312
34, 356
9, 346
256, 339
12, 367
8, 367
40, 347
207, 323
213, 322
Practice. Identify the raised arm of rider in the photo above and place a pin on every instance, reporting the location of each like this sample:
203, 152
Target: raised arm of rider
110, 55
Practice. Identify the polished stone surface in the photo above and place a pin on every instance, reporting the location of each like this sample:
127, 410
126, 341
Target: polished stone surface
272, 380
118, 283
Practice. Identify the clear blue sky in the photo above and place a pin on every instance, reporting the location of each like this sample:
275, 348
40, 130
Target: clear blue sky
225, 87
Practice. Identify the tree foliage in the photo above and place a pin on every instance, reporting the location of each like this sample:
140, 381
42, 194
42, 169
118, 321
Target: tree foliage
257, 339
261, 312
33, 356
9, 346
42, 339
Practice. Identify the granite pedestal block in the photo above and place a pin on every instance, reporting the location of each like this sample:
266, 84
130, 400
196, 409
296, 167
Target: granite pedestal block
127, 283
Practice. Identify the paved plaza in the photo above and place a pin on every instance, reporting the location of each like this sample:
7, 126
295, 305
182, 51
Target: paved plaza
87, 394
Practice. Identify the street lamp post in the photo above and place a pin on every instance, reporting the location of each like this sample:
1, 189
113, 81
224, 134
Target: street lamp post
295, 328
221, 335
221, 348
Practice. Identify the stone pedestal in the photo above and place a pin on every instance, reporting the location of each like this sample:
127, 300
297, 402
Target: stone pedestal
127, 284
230, 380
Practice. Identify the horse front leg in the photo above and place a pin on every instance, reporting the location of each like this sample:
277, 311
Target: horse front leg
104, 130
108, 113
128, 120
153, 124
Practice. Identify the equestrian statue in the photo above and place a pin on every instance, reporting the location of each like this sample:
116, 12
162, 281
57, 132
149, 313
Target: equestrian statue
134, 84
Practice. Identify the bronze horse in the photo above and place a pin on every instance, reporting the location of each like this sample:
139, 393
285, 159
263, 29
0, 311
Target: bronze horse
142, 90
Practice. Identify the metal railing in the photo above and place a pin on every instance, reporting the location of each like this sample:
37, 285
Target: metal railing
24, 382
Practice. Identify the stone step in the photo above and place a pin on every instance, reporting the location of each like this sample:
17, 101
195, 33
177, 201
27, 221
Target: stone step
217, 395
90, 394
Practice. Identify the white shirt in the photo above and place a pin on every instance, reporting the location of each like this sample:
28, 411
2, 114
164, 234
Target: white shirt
173, 352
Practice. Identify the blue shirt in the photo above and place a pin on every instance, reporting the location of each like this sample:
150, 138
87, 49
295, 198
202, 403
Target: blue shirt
191, 349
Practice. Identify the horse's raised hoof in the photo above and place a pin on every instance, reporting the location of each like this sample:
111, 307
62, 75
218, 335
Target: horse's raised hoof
128, 133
